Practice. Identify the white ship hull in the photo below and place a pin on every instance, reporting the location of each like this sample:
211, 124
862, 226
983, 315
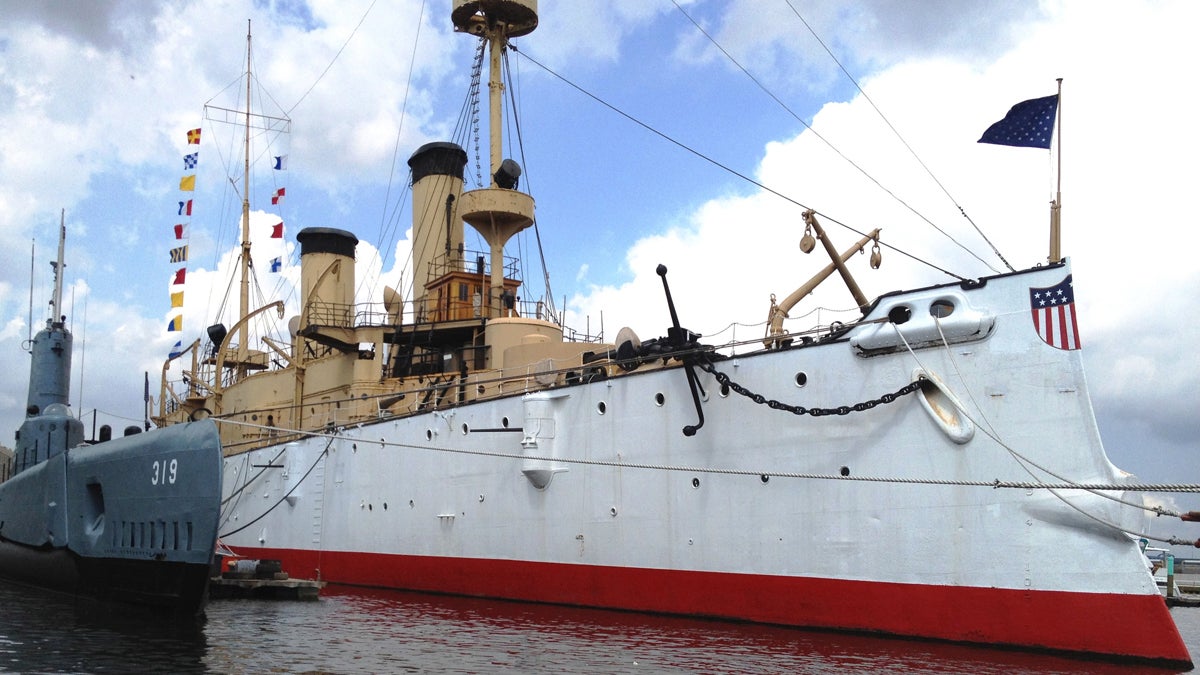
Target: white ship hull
591, 495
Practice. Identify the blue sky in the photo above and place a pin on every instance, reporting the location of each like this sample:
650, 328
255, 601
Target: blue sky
95, 99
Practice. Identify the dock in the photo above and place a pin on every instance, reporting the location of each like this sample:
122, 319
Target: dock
224, 587
241, 578
1179, 582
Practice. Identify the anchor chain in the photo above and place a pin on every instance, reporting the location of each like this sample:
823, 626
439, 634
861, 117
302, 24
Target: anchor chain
722, 378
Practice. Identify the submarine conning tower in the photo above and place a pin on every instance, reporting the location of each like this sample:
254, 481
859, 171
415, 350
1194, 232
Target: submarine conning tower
327, 275
50, 370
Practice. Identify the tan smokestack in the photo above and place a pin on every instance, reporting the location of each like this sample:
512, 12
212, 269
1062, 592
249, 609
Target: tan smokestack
437, 180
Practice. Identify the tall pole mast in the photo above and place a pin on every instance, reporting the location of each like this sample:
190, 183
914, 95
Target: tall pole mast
244, 296
57, 318
497, 40
498, 211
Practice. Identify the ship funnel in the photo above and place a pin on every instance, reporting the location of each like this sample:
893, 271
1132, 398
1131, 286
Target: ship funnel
327, 275
437, 180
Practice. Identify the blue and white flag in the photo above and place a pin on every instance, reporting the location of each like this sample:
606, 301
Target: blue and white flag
176, 350
1028, 124
189, 161
276, 263
281, 162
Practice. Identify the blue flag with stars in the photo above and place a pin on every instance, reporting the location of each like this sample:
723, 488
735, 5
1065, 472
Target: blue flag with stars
1028, 124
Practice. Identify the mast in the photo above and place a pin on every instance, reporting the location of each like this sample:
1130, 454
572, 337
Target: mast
499, 211
244, 295
57, 318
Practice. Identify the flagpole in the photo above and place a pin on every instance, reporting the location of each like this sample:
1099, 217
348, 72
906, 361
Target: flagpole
1056, 205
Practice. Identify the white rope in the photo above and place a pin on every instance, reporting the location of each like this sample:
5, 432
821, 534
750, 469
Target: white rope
995, 484
1024, 462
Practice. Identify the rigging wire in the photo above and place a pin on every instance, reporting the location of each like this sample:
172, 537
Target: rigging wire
335, 56
388, 230
549, 293
995, 484
729, 169
830, 145
1028, 464
902, 141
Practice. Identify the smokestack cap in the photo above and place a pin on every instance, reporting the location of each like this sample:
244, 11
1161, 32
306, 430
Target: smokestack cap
326, 240
437, 159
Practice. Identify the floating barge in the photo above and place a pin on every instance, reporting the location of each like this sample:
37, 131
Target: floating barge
260, 580
224, 588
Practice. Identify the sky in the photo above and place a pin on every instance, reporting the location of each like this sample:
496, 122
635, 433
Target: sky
644, 140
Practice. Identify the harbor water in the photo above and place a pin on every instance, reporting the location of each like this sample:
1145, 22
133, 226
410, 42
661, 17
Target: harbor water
369, 631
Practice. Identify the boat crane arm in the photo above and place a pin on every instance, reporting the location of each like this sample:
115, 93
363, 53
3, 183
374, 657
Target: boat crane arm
218, 385
779, 312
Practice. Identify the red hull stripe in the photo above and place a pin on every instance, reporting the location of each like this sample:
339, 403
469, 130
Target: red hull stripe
1129, 626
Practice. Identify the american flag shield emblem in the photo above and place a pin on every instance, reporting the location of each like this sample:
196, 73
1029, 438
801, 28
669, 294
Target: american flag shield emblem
1053, 311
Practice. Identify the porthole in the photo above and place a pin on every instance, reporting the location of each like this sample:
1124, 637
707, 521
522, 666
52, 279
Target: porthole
504, 422
695, 482
801, 378
480, 389
429, 434
764, 478
899, 314
845, 471
659, 399
465, 429
601, 408
941, 308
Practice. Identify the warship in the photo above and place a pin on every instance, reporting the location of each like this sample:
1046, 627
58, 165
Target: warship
931, 469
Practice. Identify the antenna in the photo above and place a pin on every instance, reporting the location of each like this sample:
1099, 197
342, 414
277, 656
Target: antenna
82, 351
59, 265
32, 259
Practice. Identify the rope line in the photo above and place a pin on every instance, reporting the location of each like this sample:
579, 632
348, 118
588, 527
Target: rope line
1025, 463
995, 484
300, 482
838, 152
728, 169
